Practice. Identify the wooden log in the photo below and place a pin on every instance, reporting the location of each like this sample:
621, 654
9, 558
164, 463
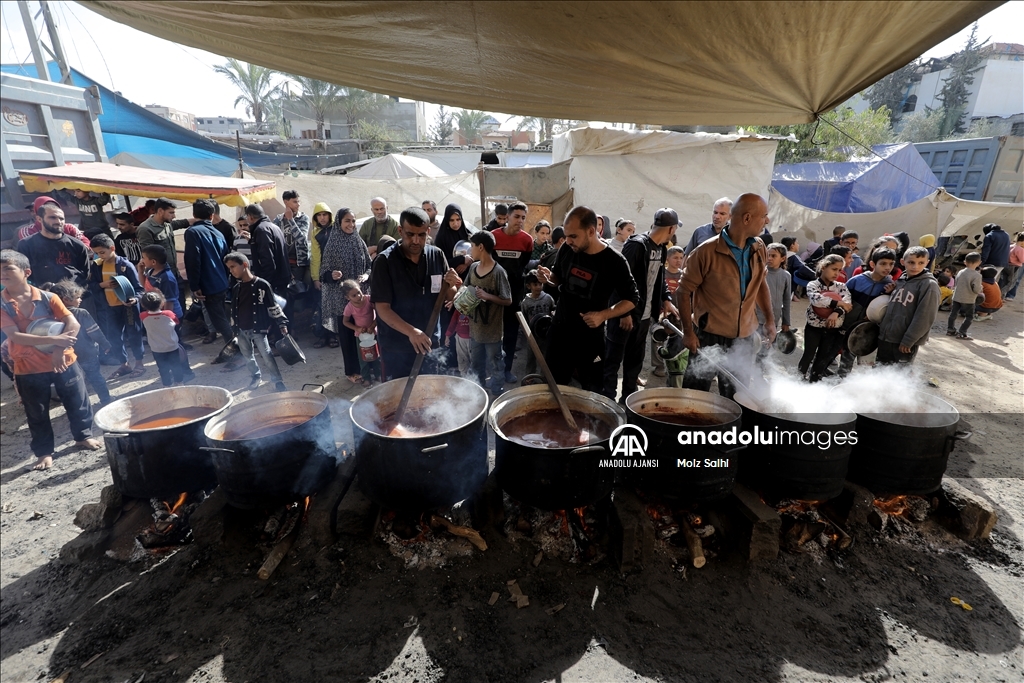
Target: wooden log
844, 539
465, 532
277, 554
693, 543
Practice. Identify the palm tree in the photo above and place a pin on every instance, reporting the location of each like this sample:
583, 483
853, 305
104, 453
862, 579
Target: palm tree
470, 123
256, 85
359, 104
321, 97
548, 127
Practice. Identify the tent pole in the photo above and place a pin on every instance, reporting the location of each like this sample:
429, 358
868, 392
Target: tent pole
483, 197
238, 146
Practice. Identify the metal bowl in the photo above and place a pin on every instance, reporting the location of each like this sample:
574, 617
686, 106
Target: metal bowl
46, 327
123, 289
785, 342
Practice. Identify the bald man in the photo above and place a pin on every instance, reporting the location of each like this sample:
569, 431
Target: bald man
725, 277
378, 225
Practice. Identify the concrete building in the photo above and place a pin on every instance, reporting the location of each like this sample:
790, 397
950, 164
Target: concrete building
220, 125
182, 118
998, 88
408, 118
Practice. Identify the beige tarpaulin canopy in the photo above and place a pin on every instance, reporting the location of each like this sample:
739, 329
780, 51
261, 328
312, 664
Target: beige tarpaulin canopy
725, 63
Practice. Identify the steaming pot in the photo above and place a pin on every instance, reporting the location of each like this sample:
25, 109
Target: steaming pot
164, 461
274, 449
553, 478
905, 453
418, 473
804, 471
652, 411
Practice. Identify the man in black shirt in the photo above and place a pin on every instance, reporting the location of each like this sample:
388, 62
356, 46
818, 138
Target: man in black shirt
90, 206
404, 284
53, 254
269, 253
587, 274
126, 244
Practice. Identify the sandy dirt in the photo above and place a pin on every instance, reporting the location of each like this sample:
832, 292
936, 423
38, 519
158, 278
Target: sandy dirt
353, 611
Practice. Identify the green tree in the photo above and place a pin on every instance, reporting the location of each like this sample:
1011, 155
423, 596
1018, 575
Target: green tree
922, 126
891, 91
376, 140
956, 89
255, 83
359, 104
548, 128
444, 127
321, 97
470, 122
870, 127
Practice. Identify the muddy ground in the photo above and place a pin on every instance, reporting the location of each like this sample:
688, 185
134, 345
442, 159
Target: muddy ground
352, 611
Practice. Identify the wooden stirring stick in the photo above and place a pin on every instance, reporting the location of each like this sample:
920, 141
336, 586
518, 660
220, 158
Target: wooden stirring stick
418, 363
562, 405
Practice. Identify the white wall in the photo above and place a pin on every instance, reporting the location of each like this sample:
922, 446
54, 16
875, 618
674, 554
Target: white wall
1000, 89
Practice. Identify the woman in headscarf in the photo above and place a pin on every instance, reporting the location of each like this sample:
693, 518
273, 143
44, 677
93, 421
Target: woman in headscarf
319, 232
452, 230
344, 256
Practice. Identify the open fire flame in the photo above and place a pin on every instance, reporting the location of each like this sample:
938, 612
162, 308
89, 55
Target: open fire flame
893, 505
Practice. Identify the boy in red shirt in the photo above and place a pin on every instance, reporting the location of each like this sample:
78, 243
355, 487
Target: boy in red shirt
35, 369
513, 248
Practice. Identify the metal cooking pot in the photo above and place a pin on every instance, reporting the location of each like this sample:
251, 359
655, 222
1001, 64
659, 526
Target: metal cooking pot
863, 338
553, 478
418, 473
289, 350
165, 461
651, 410
804, 471
904, 452
45, 327
274, 449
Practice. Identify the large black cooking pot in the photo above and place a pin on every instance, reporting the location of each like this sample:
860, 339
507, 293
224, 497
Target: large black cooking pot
274, 449
904, 452
697, 471
553, 478
165, 461
807, 458
418, 473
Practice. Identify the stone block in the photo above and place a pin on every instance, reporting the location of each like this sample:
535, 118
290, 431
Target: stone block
765, 523
86, 547
974, 514
357, 514
111, 497
207, 520
631, 531
96, 516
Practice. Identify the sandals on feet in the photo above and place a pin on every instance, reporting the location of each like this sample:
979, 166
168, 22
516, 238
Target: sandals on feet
120, 372
137, 372
333, 342
320, 343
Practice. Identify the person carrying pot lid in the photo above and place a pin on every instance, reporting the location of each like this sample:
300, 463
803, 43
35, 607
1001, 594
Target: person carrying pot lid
404, 284
717, 310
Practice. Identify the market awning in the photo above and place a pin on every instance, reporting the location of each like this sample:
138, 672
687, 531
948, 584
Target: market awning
689, 63
148, 182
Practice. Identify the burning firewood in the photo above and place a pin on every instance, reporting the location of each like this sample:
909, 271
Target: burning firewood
694, 545
465, 532
277, 554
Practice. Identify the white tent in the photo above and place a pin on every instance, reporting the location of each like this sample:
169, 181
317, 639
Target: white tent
939, 214
396, 166
632, 174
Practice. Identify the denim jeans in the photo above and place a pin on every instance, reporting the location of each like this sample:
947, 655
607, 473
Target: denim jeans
248, 342
955, 309
488, 359
121, 324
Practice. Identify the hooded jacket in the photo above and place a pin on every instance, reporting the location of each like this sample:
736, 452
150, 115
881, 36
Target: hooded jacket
995, 249
269, 254
205, 250
911, 310
315, 248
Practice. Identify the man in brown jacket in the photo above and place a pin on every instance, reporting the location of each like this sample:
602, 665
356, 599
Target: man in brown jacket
725, 276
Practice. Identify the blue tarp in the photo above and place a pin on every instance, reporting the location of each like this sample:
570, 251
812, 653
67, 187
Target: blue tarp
900, 177
159, 143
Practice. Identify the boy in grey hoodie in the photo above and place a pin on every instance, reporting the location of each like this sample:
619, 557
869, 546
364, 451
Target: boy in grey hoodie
965, 295
911, 310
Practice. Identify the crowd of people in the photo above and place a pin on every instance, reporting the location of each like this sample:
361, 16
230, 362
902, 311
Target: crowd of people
597, 294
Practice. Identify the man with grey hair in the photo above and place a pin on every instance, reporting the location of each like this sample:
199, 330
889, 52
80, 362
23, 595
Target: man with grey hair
719, 219
378, 225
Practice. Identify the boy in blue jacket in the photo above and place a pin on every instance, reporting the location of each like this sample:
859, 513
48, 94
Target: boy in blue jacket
119, 319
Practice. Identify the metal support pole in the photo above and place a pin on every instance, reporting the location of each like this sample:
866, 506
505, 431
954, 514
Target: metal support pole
37, 52
238, 146
58, 49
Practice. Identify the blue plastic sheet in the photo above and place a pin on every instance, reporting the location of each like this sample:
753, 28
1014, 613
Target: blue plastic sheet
900, 177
